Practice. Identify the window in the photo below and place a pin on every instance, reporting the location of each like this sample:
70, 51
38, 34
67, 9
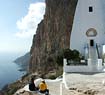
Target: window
91, 32
90, 9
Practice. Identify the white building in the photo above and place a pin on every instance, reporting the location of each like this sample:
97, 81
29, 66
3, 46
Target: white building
88, 35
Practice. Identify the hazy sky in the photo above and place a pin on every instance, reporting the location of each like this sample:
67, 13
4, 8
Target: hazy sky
18, 22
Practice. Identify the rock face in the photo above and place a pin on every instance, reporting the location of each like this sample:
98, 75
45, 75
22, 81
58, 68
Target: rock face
52, 35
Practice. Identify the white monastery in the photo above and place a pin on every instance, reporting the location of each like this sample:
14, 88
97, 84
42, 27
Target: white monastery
88, 36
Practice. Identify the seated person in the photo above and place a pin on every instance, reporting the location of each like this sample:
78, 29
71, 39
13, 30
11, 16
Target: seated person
32, 86
43, 88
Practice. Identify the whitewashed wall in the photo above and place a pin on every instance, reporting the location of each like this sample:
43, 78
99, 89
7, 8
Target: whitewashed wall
85, 20
85, 68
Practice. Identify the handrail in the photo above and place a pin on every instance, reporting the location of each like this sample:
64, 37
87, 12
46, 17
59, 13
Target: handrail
97, 50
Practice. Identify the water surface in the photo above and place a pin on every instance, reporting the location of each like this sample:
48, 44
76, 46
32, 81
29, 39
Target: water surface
8, 69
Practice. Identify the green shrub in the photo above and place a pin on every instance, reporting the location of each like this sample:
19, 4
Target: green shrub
71, 54
68, 54
52, 77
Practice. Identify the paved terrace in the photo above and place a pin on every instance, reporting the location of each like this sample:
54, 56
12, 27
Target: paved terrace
93, 82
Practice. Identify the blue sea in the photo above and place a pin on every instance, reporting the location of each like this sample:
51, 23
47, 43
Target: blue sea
8, 69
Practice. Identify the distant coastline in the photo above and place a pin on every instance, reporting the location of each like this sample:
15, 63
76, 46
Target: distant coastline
23, 62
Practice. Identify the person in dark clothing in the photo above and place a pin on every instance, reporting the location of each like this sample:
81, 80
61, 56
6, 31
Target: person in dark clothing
32, 86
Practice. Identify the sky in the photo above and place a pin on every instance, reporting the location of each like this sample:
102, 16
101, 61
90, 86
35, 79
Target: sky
18, 23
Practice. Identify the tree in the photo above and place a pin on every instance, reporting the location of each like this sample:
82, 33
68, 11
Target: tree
69, 54
75, 55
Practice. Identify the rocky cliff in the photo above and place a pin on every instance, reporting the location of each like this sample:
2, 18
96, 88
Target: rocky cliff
52, 35
23, 62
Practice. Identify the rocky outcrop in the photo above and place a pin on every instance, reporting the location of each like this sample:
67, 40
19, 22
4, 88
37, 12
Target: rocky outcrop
23, 62
52, 35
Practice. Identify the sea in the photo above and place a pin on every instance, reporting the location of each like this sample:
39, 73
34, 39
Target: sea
9, 71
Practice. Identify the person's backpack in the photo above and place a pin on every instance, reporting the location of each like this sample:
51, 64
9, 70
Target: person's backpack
32, 87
